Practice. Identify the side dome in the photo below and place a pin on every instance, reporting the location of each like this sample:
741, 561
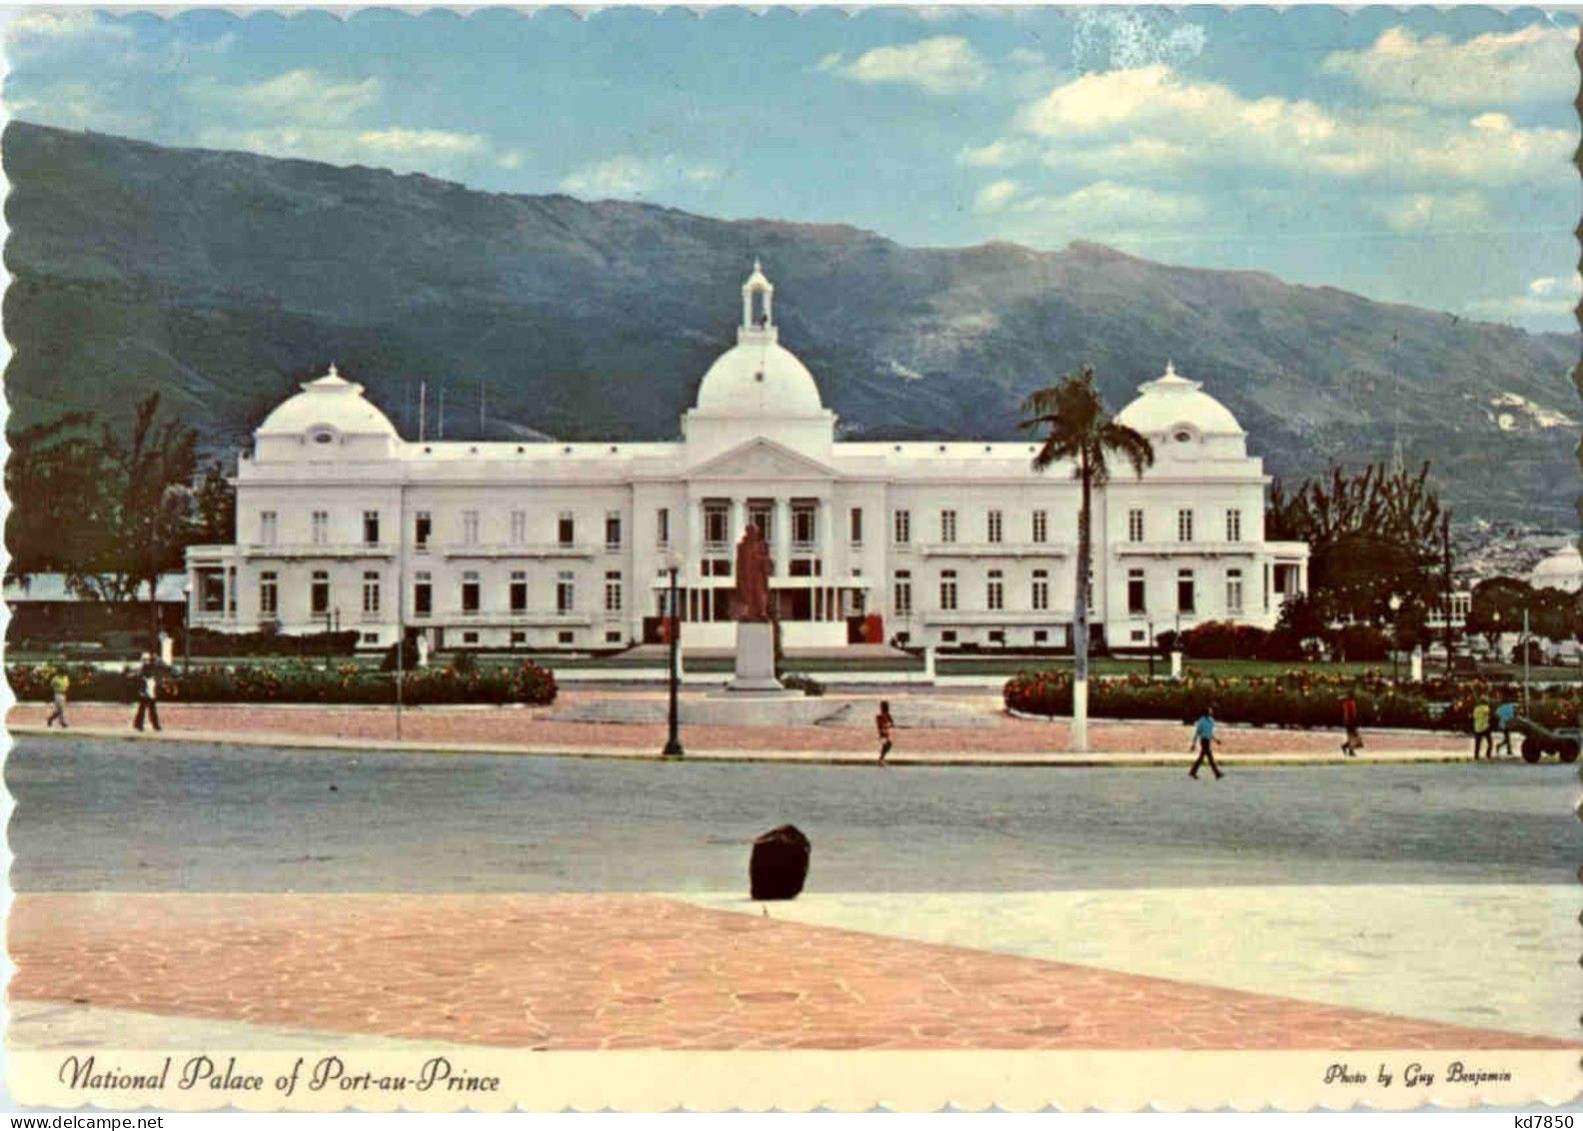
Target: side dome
330, 404
1562, 570
1172, 401
758, 376
759, 379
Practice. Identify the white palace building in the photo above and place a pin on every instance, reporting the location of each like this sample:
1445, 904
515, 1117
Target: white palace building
551, 545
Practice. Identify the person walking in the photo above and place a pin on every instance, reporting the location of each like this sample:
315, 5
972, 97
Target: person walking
1204, 739
1482, 739
1349, 721
1505, 715
885, 725
147, 693
59, 684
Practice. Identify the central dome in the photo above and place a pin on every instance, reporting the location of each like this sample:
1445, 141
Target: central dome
758, 376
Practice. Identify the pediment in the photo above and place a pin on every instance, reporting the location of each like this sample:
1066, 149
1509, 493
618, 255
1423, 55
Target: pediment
761, 459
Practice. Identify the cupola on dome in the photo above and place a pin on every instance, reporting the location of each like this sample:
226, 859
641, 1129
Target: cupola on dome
1172, 402
328, 405
758, 376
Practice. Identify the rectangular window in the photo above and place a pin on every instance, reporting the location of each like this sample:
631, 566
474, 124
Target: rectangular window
992, 527
612, 530
902, 588
566, 529
519, 527
761, 513
469, 528
901, 527
422, 527
856, 517
662, 527
948, 589
469, 638
613, 591
371, 528
321, 527
565, 592
995, 592
805, 523
1184, 525
1041, 526
422, 596
1137, 595
948, 526
1184, 591
519, 637
1266, 586
717, 524
1135, 524
1234, 591
371, 592
267, 527
319, 593
469, 592
1041, 590
1233, 525
268, 594
518, 591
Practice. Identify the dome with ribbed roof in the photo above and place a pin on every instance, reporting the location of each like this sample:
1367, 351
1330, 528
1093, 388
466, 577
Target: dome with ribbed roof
1172, 401
329, 403
1562, 570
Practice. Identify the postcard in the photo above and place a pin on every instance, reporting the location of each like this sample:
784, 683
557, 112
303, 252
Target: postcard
903, 557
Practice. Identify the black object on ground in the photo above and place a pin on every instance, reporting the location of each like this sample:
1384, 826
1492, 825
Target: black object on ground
779, 864
1541, 740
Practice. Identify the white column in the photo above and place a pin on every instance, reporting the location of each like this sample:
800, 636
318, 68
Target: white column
826, 519
780, 548
738, 521
695, 541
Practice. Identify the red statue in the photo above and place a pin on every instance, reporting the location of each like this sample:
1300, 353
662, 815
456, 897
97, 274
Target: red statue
753, 577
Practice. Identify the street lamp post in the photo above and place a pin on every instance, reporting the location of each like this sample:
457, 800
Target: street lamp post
1525, 660
1152, 647
186, 627
1396, 605
673, 744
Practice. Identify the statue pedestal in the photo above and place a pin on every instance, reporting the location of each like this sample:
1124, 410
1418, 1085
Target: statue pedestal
755, 659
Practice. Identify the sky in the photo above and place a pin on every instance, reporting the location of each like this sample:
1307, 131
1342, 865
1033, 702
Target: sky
1416, 156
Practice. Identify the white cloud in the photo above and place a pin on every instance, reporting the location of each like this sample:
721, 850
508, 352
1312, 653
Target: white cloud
395, 148
421, 143
994, 196
69, 23
1104, 210
1548, 298
998, 153
305, 95
945, 64
1150, 118
1425, 211
1533, 64
628, 176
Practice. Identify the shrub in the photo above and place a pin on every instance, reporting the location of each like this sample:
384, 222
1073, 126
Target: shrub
1359, 642
1223, 640
804, 683
270, 642
1292, 699
297, 682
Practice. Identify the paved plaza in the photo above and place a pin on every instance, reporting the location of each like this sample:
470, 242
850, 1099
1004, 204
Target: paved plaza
264, 897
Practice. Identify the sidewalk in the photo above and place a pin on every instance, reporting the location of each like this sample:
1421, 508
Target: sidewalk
517, 730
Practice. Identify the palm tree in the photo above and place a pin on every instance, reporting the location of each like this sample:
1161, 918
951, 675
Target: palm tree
1077, 428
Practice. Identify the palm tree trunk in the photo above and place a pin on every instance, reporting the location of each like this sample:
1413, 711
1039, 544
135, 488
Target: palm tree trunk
1080, 619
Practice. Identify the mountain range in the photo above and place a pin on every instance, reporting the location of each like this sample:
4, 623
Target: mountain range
222, 279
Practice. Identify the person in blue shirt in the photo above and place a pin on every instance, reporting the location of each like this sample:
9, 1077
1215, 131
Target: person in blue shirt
1204, 739
1504, 716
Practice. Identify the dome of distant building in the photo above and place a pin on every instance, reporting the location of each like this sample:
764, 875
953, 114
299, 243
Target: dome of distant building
331, 404
1171, 402
758, 376
1562, 570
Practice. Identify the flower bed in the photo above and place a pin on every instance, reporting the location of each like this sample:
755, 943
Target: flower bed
294, 682
1294, 699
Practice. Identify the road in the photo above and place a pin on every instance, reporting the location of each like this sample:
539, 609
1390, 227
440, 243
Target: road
122, 816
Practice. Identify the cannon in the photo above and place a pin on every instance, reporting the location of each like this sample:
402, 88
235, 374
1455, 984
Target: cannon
1539, 741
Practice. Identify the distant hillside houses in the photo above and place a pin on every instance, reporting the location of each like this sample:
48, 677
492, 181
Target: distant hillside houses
342, 522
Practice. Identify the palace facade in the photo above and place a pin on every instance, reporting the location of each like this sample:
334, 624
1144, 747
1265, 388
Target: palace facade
343, 524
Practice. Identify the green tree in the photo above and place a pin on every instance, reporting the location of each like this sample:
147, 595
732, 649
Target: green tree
1497, 607
214, 498
60, 500
1077, 428
1372, 534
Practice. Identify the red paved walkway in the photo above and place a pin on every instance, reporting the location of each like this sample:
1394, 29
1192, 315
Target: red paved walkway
528, 727
631, 971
